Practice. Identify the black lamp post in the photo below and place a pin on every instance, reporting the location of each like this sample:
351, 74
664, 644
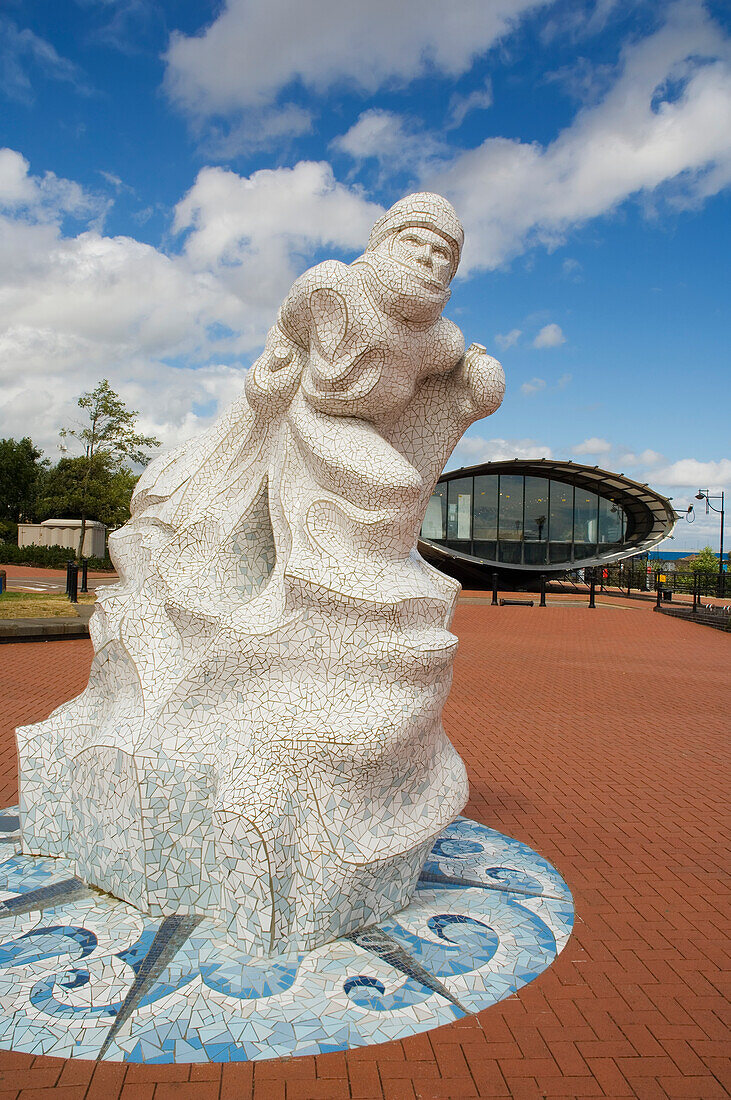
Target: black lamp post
703, 494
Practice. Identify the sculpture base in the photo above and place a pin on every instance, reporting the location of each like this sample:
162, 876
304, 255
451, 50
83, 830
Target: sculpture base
85, 975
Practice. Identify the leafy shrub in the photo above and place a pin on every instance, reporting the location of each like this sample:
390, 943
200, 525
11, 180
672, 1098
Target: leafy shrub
47, 557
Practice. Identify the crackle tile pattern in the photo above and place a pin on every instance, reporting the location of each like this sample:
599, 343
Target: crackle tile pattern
579, 742
85, 975
260, 742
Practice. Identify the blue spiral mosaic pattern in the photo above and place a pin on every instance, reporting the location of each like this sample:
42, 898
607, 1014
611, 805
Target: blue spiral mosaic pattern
85, 975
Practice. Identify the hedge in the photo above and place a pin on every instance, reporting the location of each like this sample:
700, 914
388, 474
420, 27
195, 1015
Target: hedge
49, 557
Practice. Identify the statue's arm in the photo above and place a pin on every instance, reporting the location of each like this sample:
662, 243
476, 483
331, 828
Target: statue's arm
476, 385
471, 382
443, 408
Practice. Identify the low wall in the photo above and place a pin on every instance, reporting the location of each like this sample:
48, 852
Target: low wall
65, 532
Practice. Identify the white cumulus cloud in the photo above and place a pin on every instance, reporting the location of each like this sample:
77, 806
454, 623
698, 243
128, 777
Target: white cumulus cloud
473, 449
535, 384
254, 49
167, 329
477, 100
48, 196
592, 446
691, 473
648, 457
391, 139
507, 339
665, 119
258, 232
550, 336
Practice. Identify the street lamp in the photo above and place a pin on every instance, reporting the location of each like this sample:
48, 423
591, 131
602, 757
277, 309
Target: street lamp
704, 494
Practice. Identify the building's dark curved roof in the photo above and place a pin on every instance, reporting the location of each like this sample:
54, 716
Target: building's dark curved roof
652, 515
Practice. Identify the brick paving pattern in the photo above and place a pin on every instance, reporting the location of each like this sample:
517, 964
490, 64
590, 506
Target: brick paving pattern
599, 738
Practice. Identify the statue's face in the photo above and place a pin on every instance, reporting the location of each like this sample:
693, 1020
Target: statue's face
425, 253
412, 270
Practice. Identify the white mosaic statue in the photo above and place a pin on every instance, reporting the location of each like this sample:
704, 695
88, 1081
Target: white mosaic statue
261, 741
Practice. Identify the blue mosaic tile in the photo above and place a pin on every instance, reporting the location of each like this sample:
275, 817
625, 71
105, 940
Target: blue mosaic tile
85, 975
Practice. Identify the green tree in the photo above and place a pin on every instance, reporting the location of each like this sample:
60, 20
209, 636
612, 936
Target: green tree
109, 438
21, 467
108, 492
706, 562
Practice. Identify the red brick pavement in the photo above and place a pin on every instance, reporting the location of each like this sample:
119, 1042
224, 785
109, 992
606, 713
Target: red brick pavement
599, 738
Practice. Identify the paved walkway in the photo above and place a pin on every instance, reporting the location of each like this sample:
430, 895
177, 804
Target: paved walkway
598, 737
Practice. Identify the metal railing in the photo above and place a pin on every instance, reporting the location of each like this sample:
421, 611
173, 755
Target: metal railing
630, 579
698, 583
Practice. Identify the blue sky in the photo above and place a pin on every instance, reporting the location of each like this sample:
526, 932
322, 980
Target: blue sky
167, 167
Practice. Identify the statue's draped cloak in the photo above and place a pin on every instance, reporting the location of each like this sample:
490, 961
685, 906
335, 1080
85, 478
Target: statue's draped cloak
261, 739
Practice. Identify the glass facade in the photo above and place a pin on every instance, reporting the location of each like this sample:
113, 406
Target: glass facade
523, 520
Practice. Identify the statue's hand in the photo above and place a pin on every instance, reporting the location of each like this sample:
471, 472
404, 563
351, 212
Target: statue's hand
482, 378
475, 354
280, 355
274, 377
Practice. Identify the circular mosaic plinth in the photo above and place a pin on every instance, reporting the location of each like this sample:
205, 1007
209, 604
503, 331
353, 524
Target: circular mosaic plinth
85, 975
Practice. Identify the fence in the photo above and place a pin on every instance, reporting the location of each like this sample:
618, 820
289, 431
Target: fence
703, 584
630, 578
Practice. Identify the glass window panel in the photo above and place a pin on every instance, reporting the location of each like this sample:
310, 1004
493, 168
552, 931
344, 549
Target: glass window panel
511, 518
536, 509
485, 514
585, 518
459, 510
611, 522
511, 507
561, 514
629, 526
435, 519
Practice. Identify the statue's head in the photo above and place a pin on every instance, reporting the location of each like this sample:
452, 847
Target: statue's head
414, 249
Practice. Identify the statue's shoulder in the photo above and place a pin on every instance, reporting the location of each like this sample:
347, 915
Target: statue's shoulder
331, 274
320, 294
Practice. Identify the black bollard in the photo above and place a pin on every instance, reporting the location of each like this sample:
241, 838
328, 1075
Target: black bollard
494, 590
84, 576
73, 581
592, 590
657, 586
543, 590
68, 576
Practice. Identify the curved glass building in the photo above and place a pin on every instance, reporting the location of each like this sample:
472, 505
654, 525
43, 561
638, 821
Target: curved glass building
542, 516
